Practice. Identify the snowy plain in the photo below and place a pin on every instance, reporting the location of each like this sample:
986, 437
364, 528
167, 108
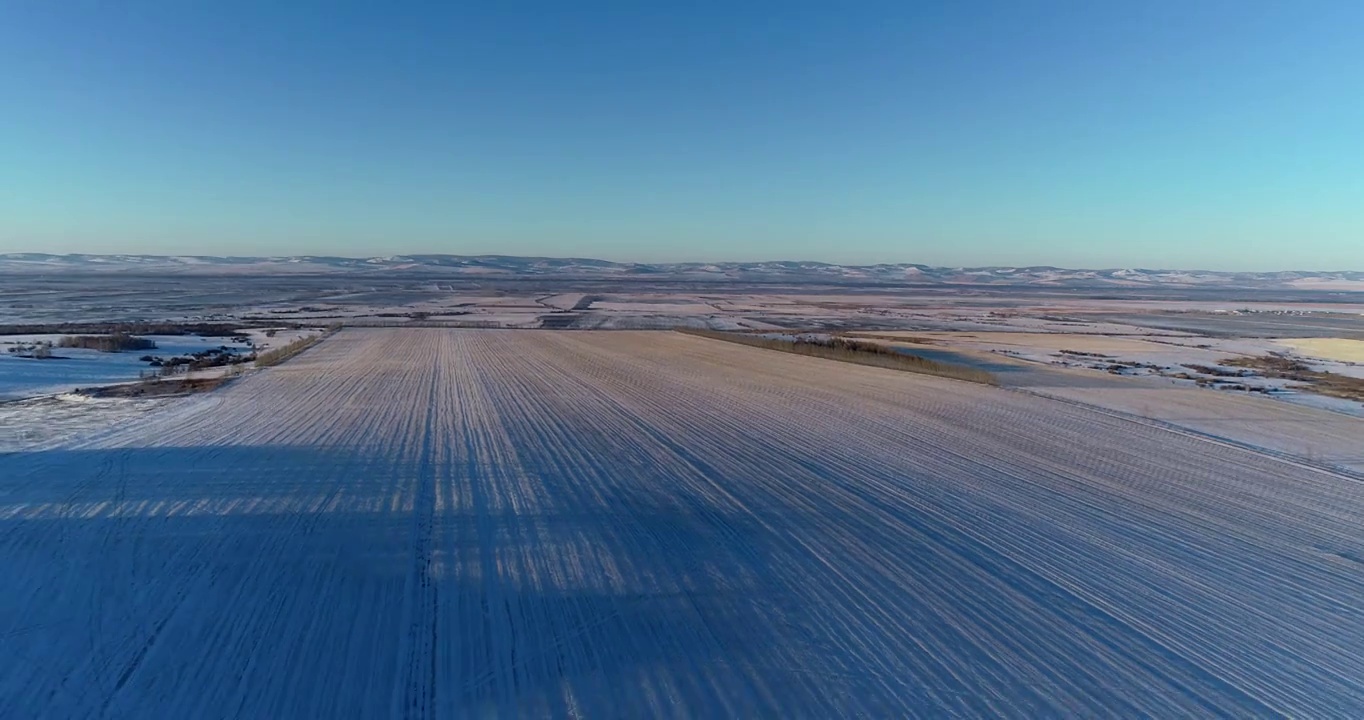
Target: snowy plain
462, 523
39, 422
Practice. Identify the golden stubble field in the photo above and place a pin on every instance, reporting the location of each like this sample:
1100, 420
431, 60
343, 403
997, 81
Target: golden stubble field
1338, 349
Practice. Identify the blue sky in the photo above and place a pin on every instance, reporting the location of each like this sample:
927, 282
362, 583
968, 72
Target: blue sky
1100, 134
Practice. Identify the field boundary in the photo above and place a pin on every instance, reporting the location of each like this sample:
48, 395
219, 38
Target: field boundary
1300, 461
851, 351
281, 355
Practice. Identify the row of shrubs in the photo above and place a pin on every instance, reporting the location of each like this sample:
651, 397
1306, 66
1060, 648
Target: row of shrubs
37, 351
279, 355
117, 342
204, 359
852, 351
103, 343
202, 329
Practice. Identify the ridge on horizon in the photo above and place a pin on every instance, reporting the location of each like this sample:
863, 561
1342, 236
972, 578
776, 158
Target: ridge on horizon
409, 258
813, 271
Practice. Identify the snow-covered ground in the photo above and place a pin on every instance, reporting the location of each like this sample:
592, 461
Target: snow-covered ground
1180, 359
408, 523
44, 421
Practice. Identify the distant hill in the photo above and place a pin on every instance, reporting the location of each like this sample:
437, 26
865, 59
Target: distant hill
772, 271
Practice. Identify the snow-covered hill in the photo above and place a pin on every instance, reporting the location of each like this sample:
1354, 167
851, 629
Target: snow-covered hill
775, 271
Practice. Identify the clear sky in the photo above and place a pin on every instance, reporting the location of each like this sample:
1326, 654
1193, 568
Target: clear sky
1094, 133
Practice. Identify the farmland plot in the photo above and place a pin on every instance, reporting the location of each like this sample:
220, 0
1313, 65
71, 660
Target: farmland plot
456, 523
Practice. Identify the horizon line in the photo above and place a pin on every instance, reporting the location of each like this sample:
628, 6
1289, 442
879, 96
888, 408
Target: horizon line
363, 258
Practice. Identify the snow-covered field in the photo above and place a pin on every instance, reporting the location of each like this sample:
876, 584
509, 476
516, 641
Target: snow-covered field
457, 523
42, 421
1299, 429
1181, 360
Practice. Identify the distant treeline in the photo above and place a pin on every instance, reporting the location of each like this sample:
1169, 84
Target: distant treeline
852, 351
118, 342
135, 328
434, 322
